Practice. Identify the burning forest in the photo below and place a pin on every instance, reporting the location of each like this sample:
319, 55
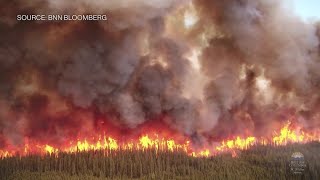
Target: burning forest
203, 77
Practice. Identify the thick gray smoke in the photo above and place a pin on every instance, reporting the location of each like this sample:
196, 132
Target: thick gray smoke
241, 66
264, 37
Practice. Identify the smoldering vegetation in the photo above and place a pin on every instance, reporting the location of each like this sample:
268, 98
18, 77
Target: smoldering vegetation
241, 67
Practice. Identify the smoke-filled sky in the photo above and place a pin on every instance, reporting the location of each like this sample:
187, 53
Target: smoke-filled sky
307, 8
207, 67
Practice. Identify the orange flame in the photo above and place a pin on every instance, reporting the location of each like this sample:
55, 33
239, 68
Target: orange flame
286, 135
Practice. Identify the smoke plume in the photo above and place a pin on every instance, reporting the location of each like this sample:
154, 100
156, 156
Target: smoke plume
207, 67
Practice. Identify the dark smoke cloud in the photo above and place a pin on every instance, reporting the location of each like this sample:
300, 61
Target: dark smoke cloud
258, 66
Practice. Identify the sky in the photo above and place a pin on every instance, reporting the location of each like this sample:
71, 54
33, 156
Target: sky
307, 8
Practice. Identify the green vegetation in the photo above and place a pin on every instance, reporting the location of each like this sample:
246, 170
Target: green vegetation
260, 162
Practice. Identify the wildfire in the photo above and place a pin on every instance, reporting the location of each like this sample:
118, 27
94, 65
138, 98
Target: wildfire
286, 135
237, 143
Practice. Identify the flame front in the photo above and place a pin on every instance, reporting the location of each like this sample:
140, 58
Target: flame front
286, 135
